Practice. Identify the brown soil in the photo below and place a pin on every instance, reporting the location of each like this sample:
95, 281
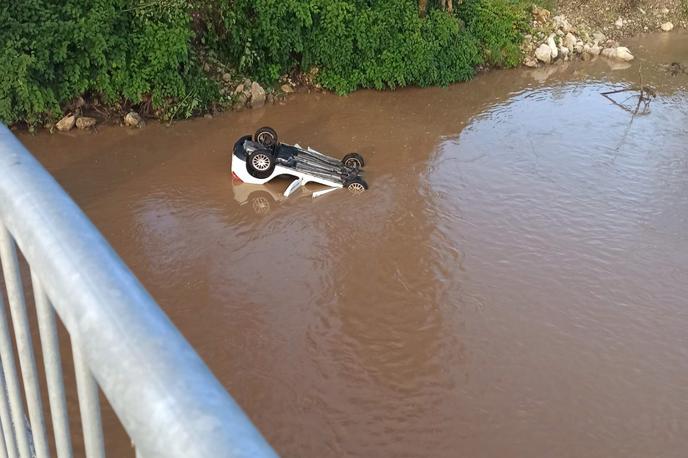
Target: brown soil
638, 15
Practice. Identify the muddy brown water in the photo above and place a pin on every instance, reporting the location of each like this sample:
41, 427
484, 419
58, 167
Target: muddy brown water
515, 282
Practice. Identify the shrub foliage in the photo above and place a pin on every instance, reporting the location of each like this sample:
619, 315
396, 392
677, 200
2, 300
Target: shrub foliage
133, 52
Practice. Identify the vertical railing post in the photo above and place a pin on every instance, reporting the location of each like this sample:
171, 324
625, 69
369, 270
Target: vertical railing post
50, 343
6, 414
89, 405
12, 384
3, 449
22, 332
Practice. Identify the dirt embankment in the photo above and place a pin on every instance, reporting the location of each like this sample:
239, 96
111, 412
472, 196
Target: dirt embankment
620, 19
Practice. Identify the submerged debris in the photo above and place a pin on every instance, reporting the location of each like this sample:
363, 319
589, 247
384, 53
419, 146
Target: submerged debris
675, 68
645, 94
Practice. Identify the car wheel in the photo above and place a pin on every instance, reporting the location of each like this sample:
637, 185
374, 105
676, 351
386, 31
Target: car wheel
266, 136
260, 163
356, 185
353, 160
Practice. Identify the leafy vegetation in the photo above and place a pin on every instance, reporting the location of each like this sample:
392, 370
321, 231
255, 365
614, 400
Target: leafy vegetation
500, 24
53, 52
150, 54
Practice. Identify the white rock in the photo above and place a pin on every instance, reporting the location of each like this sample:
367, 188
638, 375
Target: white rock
579, 47
552, 46
564, 52
570, 41
595, 50
66, 124
239, 88
599, 37
85, 122
257, 95
287, 89
562, 23
530, 61
664, 11
619, 23
623, 53
620, 53
133, 119
240, 100
667, 26
609, 53
544, 53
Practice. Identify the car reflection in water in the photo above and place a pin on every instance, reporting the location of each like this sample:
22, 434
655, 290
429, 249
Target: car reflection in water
261, 199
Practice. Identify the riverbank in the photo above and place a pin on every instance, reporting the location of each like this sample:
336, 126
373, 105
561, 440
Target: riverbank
491, 37
586, 30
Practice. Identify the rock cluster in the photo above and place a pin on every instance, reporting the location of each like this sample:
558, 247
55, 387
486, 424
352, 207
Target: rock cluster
555, 38
71, 120
250, 94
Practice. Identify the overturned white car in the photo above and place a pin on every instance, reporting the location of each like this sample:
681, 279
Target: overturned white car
259, 158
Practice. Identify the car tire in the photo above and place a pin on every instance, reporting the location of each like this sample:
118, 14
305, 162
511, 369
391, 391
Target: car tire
353, 160
356, 185
260, 163
266, 136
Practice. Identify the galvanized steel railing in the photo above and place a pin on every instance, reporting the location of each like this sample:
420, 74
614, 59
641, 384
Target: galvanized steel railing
168, 401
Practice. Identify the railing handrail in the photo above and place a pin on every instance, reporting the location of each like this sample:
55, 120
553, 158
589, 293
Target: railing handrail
165, 396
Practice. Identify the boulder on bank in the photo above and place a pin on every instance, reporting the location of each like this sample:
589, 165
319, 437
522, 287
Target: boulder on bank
552, 47
667, 27
85, 122
593, 50
66, 124
599, 37
133, 119
543, 53
541, 15
258, 95
530, 62
620, 53
570, 41
562, 23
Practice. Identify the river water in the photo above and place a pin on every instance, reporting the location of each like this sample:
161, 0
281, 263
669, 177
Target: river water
514, 283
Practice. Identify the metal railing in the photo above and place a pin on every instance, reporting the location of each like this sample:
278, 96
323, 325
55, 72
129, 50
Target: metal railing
166, 398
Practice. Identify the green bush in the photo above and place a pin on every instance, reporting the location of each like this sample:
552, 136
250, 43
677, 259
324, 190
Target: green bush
118, 50
146, 53
355, 43
389, 46
499, 25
